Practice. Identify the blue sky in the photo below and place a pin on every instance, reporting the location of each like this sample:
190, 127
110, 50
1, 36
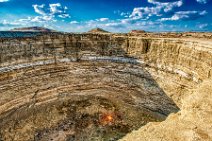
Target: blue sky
112, 15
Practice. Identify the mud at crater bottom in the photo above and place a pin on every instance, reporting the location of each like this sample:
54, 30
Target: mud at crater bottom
80, 118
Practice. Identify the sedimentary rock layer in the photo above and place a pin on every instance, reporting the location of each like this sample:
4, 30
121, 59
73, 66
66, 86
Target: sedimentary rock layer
123, 75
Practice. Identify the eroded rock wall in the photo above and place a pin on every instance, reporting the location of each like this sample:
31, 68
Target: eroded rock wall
185, 62
178, 65
192, 123
189, 58
133, 75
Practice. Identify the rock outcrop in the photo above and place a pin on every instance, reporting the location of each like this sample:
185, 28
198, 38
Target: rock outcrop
84, 86
98, 30
137, 31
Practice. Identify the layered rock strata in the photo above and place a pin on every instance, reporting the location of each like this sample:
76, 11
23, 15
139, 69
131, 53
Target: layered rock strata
91, 86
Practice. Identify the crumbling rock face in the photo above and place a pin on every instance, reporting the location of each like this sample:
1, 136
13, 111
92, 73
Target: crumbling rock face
96, 86
192, 123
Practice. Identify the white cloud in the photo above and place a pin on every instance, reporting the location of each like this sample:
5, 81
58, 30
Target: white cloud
56, 8
138, 19
185, 15
143, 12
122, 14
36, 20
115, 25
156, 10
46, 15
74, 22
4, 0
39, 9
167, 6
202, 1
64, 16
202, 26
45, 18
7, 23
103, 19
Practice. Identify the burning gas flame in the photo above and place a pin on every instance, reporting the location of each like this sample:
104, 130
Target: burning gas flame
107, 118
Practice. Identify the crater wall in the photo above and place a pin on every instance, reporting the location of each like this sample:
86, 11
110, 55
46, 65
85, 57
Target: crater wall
187, 61
46, 79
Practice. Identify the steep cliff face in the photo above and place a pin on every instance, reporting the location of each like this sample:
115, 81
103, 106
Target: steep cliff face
178, 65
185, 61
182, 68
193, 122
135, 79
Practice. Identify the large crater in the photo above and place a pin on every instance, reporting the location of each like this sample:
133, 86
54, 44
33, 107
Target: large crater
86, 87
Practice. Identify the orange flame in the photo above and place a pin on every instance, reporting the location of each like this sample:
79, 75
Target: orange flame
107, 119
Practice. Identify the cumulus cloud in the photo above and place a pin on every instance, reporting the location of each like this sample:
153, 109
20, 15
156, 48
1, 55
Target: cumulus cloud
57, 9
202, 1
142, 12
168, 5
39, 9
53, 10
158, 9
4, 0
140, 17
47, 15
185, 15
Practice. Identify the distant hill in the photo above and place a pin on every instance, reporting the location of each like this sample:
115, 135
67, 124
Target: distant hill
137, 31
33, 29
98, 30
